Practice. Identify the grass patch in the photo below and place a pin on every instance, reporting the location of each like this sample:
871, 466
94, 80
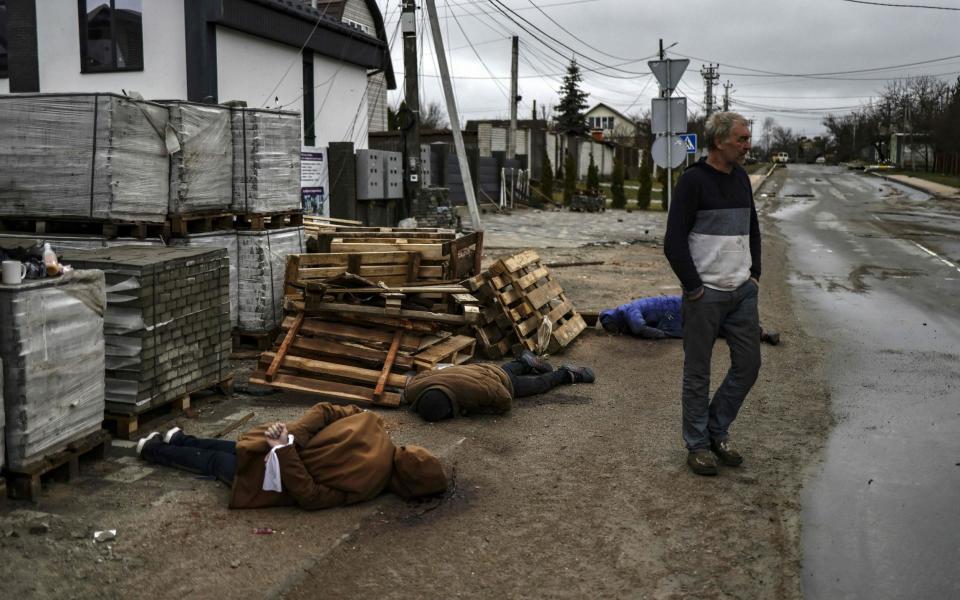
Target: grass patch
951, 180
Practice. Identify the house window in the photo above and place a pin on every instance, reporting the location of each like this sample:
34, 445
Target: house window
111, 35
4, 73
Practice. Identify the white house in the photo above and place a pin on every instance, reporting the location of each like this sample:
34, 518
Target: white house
326, 59
611, 123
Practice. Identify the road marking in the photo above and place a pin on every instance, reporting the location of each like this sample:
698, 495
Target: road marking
837, 194
942, 259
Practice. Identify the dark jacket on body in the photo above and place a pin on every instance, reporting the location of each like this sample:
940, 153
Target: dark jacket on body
471, 388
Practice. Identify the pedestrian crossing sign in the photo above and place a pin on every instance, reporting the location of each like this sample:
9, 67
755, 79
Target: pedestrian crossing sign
690, 141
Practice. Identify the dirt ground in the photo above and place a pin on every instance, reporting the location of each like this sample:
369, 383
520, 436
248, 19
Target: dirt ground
579, 493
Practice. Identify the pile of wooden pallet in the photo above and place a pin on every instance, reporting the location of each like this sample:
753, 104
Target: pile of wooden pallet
522, 308
355, 341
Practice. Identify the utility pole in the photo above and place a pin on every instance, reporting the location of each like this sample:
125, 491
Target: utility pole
410, 123
710, 76
534, 109
514, 68
726, 95
453, 114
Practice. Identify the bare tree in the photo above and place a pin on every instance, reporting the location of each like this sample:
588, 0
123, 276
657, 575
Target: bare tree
433, 117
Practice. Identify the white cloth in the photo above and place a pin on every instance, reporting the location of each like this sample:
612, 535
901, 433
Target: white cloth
271, 476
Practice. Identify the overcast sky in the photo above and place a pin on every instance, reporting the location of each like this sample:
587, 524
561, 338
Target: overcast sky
826, 38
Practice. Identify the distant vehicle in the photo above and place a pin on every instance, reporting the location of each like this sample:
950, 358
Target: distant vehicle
820, 160
883, 165
781, 157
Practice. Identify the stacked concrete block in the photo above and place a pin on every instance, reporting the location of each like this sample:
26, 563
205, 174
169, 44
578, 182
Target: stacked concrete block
261, 264
88, 156
228, 241
52, 348
266, 160
61, 243
167, 324
433, 209
201, 160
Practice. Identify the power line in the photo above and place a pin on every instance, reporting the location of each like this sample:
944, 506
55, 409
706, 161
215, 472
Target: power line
576, 37
900, 5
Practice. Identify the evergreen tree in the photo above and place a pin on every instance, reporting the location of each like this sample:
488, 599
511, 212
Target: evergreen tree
561, 176
593, 175
546, 180
646, 180
569, 180
616, 187
571, 118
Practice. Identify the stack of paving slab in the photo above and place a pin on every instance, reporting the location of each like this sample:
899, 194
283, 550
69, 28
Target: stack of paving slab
266, 160
52, 348
167, 322
262, 263
85, 156
201, 160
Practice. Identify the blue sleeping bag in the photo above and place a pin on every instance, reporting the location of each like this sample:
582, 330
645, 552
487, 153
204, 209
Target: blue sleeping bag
650, 318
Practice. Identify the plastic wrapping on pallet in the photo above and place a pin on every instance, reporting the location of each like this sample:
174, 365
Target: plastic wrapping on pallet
61, 243
166, 326
266, 160
218, 239
3, 422
91, 156
52, 347
201, 169
261, 263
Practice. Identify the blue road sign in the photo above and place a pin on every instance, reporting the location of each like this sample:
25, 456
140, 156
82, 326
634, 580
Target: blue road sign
690, 141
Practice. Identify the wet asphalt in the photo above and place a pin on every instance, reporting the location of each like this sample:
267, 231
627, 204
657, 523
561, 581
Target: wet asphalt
875, 270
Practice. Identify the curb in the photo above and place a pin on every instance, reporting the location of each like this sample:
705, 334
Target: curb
914, 186
764, 180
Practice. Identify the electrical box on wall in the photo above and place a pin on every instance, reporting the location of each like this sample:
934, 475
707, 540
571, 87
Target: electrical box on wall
370, 175
392, 175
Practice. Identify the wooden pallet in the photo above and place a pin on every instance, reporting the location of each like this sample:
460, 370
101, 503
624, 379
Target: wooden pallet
67, 226
259, 341
263, 222
455, 350
528, 295
325, 234
201, 222
63, 462
126, 421
392, 268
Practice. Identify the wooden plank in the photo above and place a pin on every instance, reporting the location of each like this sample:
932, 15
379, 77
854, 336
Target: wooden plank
342, 259
322, 219
524, 283
561, 311
387, 365
329, 389
313, 307
323, 367
565, 334
427, 251
318, 347
352, 333
284, 346
541, 295
515, 262
458, 348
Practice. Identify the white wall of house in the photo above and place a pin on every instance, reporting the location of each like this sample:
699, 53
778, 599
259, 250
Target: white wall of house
340, 102
602, 156
249, 68
164, 52
620, 128
4, 86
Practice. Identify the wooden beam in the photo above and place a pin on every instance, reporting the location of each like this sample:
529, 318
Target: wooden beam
284, 346
321, 367
387, 364
328, 389
314, 307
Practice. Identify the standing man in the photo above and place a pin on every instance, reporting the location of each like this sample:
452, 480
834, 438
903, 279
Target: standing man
713, 245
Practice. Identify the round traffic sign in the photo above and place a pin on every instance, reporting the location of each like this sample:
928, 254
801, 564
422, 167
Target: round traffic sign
678, 152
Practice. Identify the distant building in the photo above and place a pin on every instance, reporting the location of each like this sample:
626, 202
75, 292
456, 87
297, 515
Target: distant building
909, 150
209, 51
611, 124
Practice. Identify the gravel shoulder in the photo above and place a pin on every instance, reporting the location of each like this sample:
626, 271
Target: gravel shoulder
582, 492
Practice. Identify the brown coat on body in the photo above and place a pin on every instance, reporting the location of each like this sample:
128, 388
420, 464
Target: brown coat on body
471, 388
340, 455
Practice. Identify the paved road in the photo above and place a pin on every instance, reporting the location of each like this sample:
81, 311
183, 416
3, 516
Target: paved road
875, 269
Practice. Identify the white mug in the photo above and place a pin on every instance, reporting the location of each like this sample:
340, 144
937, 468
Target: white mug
13, 271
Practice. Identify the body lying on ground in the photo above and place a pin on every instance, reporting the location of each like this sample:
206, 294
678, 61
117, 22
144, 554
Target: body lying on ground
333, 455
656, 318
485, 388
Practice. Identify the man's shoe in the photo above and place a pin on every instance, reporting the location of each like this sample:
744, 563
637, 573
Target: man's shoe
725, 451
535, 362
702, 462
171, 436
770, 337
155, 436
579, 374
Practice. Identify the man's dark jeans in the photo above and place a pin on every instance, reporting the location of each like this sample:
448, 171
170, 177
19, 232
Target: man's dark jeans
525, 384
735, 316
216, 458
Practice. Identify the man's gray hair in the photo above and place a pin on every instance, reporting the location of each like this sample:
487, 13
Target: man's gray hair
718, 127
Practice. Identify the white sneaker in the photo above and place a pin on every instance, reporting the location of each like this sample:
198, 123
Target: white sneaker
170, 433
144, 441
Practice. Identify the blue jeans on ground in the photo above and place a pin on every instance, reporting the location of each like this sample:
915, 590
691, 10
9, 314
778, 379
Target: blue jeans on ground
525, 384
216, 458
734, 315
